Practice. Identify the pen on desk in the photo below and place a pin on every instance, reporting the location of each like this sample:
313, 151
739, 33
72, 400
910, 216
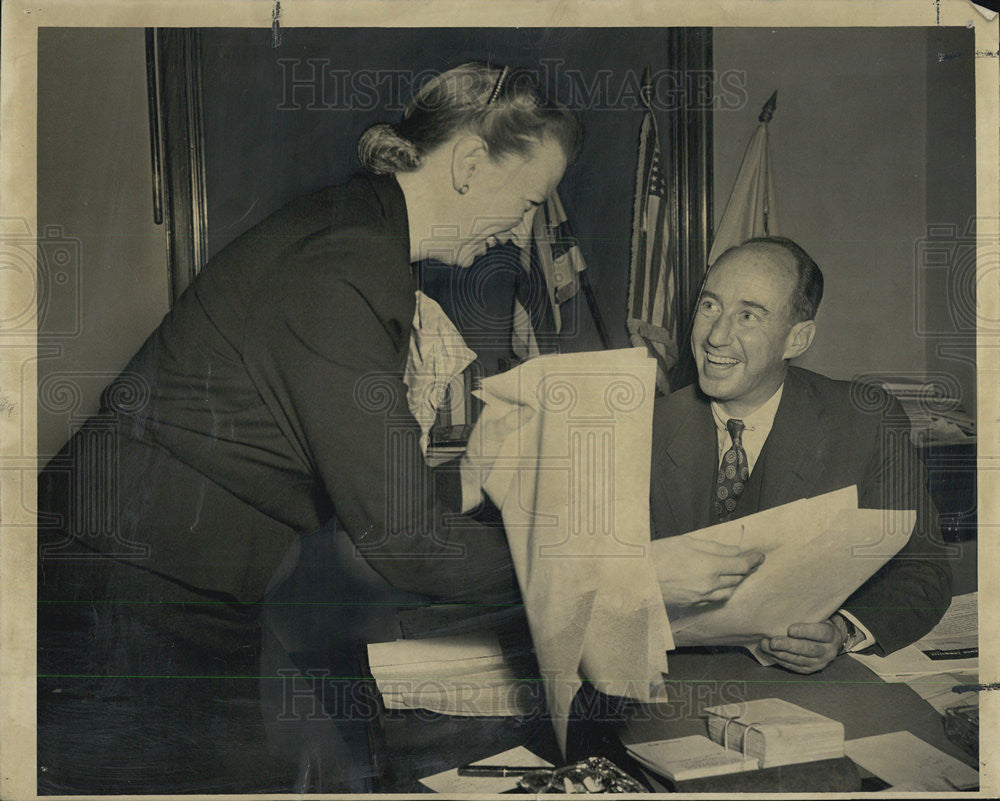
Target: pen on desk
496, 770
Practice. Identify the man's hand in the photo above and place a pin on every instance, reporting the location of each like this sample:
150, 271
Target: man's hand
809, 646
694, 572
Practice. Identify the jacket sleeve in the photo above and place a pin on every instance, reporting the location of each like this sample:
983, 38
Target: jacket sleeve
911, 592
329, 347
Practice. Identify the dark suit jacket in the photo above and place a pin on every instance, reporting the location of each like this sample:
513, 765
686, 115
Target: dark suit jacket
269, 399
826, 435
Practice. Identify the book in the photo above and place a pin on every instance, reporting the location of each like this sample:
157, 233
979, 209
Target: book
691, 757
776, 732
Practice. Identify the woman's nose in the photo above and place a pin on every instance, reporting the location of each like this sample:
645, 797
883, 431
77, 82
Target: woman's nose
520, 234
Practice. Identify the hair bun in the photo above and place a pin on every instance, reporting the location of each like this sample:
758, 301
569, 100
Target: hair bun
382, 150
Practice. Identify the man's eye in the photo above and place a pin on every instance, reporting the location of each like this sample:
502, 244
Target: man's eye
707, 305
748, 316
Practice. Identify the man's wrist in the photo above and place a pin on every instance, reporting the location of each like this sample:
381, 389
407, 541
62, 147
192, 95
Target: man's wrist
849, 634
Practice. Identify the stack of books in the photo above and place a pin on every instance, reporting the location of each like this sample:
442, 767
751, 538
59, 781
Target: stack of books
461, 675
775, 732
692, 757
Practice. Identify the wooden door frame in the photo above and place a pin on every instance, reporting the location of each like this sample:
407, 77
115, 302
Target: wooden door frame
177, 145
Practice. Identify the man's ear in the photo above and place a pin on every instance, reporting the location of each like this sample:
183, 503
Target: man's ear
799, 339
466, 154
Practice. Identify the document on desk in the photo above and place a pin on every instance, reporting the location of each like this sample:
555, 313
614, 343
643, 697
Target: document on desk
573, 487
951, 646
938, 689
907, 763
817, 552
959, 627
947, 656
450, 782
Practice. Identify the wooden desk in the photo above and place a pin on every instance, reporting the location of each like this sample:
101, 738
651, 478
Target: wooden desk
845, 691
420, 743
321, 632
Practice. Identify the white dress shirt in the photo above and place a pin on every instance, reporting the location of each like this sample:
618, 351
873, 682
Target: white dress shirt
756, 427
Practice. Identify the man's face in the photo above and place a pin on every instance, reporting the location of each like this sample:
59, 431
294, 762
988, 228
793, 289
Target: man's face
742, 328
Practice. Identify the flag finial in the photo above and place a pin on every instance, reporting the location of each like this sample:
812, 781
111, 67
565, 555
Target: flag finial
646, 88
767, 111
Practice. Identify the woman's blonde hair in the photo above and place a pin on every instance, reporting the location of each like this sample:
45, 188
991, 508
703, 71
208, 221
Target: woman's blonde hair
503, 106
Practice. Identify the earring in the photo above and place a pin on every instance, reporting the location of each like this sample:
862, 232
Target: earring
463, 189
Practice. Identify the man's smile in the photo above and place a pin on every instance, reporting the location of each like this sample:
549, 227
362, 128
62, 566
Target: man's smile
721, 362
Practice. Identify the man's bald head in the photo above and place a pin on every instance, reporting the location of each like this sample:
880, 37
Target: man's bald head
808, 289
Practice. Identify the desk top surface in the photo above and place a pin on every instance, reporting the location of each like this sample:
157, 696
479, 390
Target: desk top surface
845, 691
421, 744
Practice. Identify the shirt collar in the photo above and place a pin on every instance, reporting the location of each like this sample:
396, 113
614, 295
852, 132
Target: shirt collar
761, 418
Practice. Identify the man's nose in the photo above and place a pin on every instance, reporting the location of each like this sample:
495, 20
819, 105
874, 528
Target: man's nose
721, 331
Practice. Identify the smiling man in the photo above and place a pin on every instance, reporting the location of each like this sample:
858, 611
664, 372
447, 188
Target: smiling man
755, 433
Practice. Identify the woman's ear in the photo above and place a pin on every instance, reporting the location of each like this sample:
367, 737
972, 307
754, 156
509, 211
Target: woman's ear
799, 339
466, 155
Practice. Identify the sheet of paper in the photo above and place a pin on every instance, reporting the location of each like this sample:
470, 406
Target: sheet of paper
776, 527
573, 487
912, 661
450, 782
951, 646
818, 551
906, 762
936, 689
959, 628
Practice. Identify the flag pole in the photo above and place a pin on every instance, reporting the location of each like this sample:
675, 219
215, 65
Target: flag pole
595, 311
684, 372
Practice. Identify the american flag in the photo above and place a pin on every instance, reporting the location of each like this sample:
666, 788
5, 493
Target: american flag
652, 297
551, 264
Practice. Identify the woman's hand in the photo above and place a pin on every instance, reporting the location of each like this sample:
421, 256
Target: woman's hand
694, 572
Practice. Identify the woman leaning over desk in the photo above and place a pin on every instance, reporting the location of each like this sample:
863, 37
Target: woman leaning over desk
270, 399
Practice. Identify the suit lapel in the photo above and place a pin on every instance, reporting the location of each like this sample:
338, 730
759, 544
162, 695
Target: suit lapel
792, 457
687, 466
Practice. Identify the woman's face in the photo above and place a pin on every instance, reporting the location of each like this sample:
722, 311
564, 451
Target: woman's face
503, 196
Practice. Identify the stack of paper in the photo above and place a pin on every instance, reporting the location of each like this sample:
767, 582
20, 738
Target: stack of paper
464, 675
948, 656
776, 732
573, 487
817, 552
692, 757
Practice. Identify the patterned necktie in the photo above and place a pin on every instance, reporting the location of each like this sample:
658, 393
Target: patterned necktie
733, 473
